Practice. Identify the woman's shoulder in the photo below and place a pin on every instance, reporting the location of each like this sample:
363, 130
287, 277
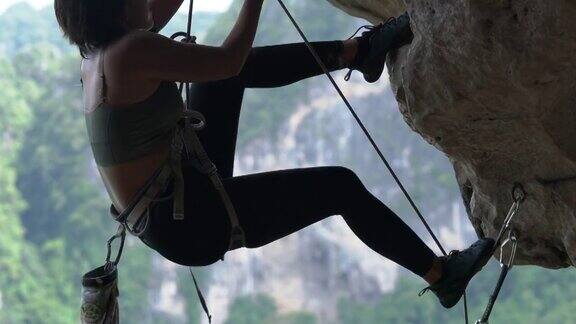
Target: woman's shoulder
134, 50
121, 55
136, 40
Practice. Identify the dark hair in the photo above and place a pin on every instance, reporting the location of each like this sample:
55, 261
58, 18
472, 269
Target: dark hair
90, 24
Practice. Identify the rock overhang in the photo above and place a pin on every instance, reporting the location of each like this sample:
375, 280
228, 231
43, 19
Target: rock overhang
491, 84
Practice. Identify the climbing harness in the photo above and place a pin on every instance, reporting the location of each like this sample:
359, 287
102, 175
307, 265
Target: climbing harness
517, 191
193, 122
507, 232
100, 285
135, 218
185, 142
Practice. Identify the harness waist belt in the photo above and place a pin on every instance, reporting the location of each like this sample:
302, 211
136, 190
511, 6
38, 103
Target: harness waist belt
132, 215
136, 217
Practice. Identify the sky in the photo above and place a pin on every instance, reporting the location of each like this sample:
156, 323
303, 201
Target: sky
200, 5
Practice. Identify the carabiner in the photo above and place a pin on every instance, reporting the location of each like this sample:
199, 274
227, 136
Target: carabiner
513, 241
518, 197
121, 234
506, 266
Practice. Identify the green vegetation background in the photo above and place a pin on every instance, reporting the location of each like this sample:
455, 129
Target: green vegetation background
53, 211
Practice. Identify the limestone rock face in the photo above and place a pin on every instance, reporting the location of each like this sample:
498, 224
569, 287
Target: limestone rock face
492, 84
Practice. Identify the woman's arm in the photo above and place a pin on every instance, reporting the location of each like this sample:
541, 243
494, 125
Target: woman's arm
153, 56
163, 11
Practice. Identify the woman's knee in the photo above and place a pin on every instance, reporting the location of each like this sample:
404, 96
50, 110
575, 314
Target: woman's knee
344, 184
345, 175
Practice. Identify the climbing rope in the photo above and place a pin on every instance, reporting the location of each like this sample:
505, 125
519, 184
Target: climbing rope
371, 139
187, 38
517, 193
186, 86
361, 124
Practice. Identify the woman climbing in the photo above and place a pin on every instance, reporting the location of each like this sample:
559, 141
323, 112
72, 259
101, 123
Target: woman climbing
132, 107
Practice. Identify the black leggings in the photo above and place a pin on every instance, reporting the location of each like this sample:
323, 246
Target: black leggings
272, 205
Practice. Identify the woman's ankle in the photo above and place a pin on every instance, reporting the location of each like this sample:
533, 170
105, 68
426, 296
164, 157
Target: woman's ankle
349, 52
435, 272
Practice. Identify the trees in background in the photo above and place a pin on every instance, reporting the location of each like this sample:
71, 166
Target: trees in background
529, 295
261, 309
53, 211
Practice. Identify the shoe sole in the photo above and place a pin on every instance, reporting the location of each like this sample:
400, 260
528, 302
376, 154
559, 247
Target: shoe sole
371, 78
478, 265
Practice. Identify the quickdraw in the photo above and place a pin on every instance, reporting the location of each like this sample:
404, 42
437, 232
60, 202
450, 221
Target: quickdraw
506, 267
135, 218
518, 195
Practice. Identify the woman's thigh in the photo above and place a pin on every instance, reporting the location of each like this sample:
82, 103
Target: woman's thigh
220, 102
269, 205
275, 204
202, 237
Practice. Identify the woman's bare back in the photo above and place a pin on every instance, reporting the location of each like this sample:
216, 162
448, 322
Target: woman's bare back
134, 67
123, 180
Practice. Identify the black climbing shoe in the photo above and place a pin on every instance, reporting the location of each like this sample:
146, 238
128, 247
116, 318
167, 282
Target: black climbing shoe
458, 268
376, 42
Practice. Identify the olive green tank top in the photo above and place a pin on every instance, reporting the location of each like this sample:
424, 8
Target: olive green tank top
122, 134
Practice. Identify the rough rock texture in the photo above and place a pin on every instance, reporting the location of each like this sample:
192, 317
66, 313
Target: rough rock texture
491, 84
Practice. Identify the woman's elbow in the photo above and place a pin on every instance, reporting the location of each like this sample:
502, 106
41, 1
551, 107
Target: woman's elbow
231, 71
236, 66
229, 64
